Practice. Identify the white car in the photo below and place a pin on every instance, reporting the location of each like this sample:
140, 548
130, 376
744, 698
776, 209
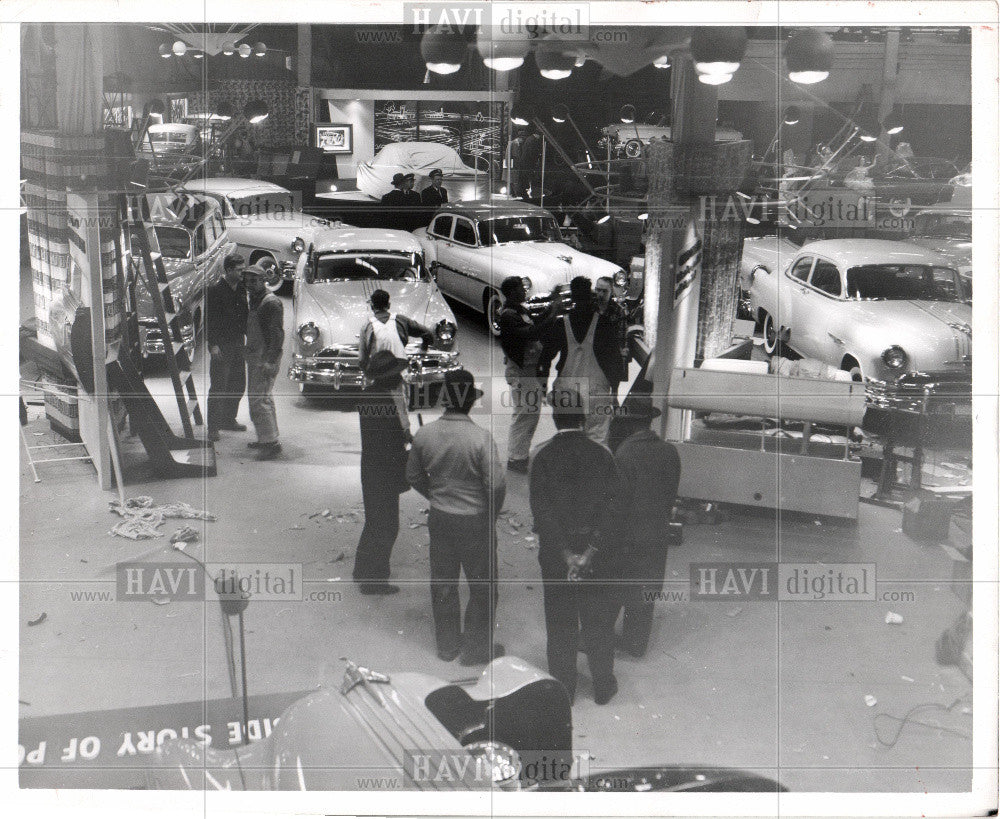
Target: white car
874, 308
472, 247
420, 158
334, 281
263, 220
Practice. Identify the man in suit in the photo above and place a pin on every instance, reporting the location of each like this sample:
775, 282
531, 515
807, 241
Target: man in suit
434, 196
590, 358
575, 493
412, 205
226, 314
650, 470
384, 436
393, 215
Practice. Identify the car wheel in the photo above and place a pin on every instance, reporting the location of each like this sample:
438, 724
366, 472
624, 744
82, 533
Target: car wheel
276, 284
492, 305
852, 366
771, 340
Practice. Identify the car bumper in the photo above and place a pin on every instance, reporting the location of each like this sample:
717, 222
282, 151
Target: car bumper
287, 269
151, 340
345, 374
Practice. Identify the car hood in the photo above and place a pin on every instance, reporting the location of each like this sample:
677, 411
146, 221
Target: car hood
294, 223
956, 251
340, 309
180, 274
547, 263
935, 333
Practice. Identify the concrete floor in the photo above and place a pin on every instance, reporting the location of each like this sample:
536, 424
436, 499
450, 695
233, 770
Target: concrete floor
778, 688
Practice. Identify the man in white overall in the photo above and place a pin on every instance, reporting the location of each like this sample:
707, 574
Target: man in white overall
385, 330
590, 363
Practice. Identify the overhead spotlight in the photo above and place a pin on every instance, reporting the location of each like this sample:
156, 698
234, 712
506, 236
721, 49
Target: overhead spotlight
752, 220
259, 49
560, 112
554, 64
791, 115
662, 62
165, 51
443, 50
893, 125
229, 49
198, 54
501, 51
519, 115
718, 51
642, 217
180, 48
224, 111
603, 219
809, 56
714, 79
627, 114
244, 50
255, 111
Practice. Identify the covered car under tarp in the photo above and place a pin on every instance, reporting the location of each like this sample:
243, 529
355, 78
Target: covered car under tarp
420, 158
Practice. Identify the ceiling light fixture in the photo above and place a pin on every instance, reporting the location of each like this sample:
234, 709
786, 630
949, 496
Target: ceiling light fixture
255, 112
791, 115
259, 50
714, 79
180, 48
244, 50
717, 52
165, 51
662, 62
443, 50
560, 112
499, 50
809, 56
554, 64
627, 114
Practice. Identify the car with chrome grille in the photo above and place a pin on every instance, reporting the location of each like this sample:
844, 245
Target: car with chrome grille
473, 246
335, 278
872, 307
263, 219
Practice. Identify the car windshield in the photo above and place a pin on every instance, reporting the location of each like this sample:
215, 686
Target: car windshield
175, 243
901, 282
276, 204
340, 267
944, 226
518, 229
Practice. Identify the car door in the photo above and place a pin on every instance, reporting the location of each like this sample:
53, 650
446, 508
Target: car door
819, 325
793, 299
467, 262
440, 254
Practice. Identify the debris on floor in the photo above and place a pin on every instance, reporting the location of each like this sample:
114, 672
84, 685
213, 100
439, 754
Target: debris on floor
185, 534
40, 619
893, 619
142, 519
870, 701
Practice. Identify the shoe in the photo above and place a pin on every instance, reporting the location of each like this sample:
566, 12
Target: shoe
255, 445
233, 426
268, 451
476, 658
518, 466
604, 693
449, 655
212, 435
379, 588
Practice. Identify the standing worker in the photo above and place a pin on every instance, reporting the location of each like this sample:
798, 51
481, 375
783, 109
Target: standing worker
383, 471
412, 205
520, 340
575, 492
454, 464
265, 340
650, 470
393, 203
433, 196
226, 331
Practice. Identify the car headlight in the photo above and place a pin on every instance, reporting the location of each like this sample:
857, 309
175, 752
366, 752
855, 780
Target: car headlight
309, 333
527, 284
299, 244
895, 358
620, 278
444, 333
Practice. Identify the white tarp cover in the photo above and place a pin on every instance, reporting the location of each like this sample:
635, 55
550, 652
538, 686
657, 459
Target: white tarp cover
418, 158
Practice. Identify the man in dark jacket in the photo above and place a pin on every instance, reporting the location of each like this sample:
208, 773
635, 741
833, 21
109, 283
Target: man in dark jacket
433, 196
393, 204
651, 470
590, 358
575, 493
383, 472
265, 340
412, 205
520, 340
226, 330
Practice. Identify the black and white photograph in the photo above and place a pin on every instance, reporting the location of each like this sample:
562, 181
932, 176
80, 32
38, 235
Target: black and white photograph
502, 408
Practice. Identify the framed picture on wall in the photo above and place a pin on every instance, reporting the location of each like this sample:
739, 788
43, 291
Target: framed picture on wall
334, 139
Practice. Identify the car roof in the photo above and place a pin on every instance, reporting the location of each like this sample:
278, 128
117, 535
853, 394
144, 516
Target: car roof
488, 208
346, 239
231, 184
853, 252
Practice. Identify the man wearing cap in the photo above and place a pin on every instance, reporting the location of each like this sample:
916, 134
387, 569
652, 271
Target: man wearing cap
383, 471
650, 470
412, 205
433, 196
265, 340
225, 331
394, 202
455, 465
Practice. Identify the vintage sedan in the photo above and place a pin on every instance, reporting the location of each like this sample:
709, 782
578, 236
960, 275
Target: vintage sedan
947, 230
334, 281
263, 220
171, 149
472, 247
510, 729
874, 308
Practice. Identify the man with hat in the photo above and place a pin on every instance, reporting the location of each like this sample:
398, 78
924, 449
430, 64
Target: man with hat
412, 206
455, 465
394, 201
433, 196
225, 331
650, 470
265, 340
383, 470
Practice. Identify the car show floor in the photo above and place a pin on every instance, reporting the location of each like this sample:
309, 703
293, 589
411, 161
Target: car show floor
816, 694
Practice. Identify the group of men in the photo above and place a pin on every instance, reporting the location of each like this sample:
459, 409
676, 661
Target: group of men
405, 208
602, 519
245, 333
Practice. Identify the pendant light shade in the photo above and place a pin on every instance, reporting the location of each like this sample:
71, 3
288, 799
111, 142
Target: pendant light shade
443, 50
809, 56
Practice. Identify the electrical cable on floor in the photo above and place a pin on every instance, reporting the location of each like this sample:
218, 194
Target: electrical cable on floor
906, 719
